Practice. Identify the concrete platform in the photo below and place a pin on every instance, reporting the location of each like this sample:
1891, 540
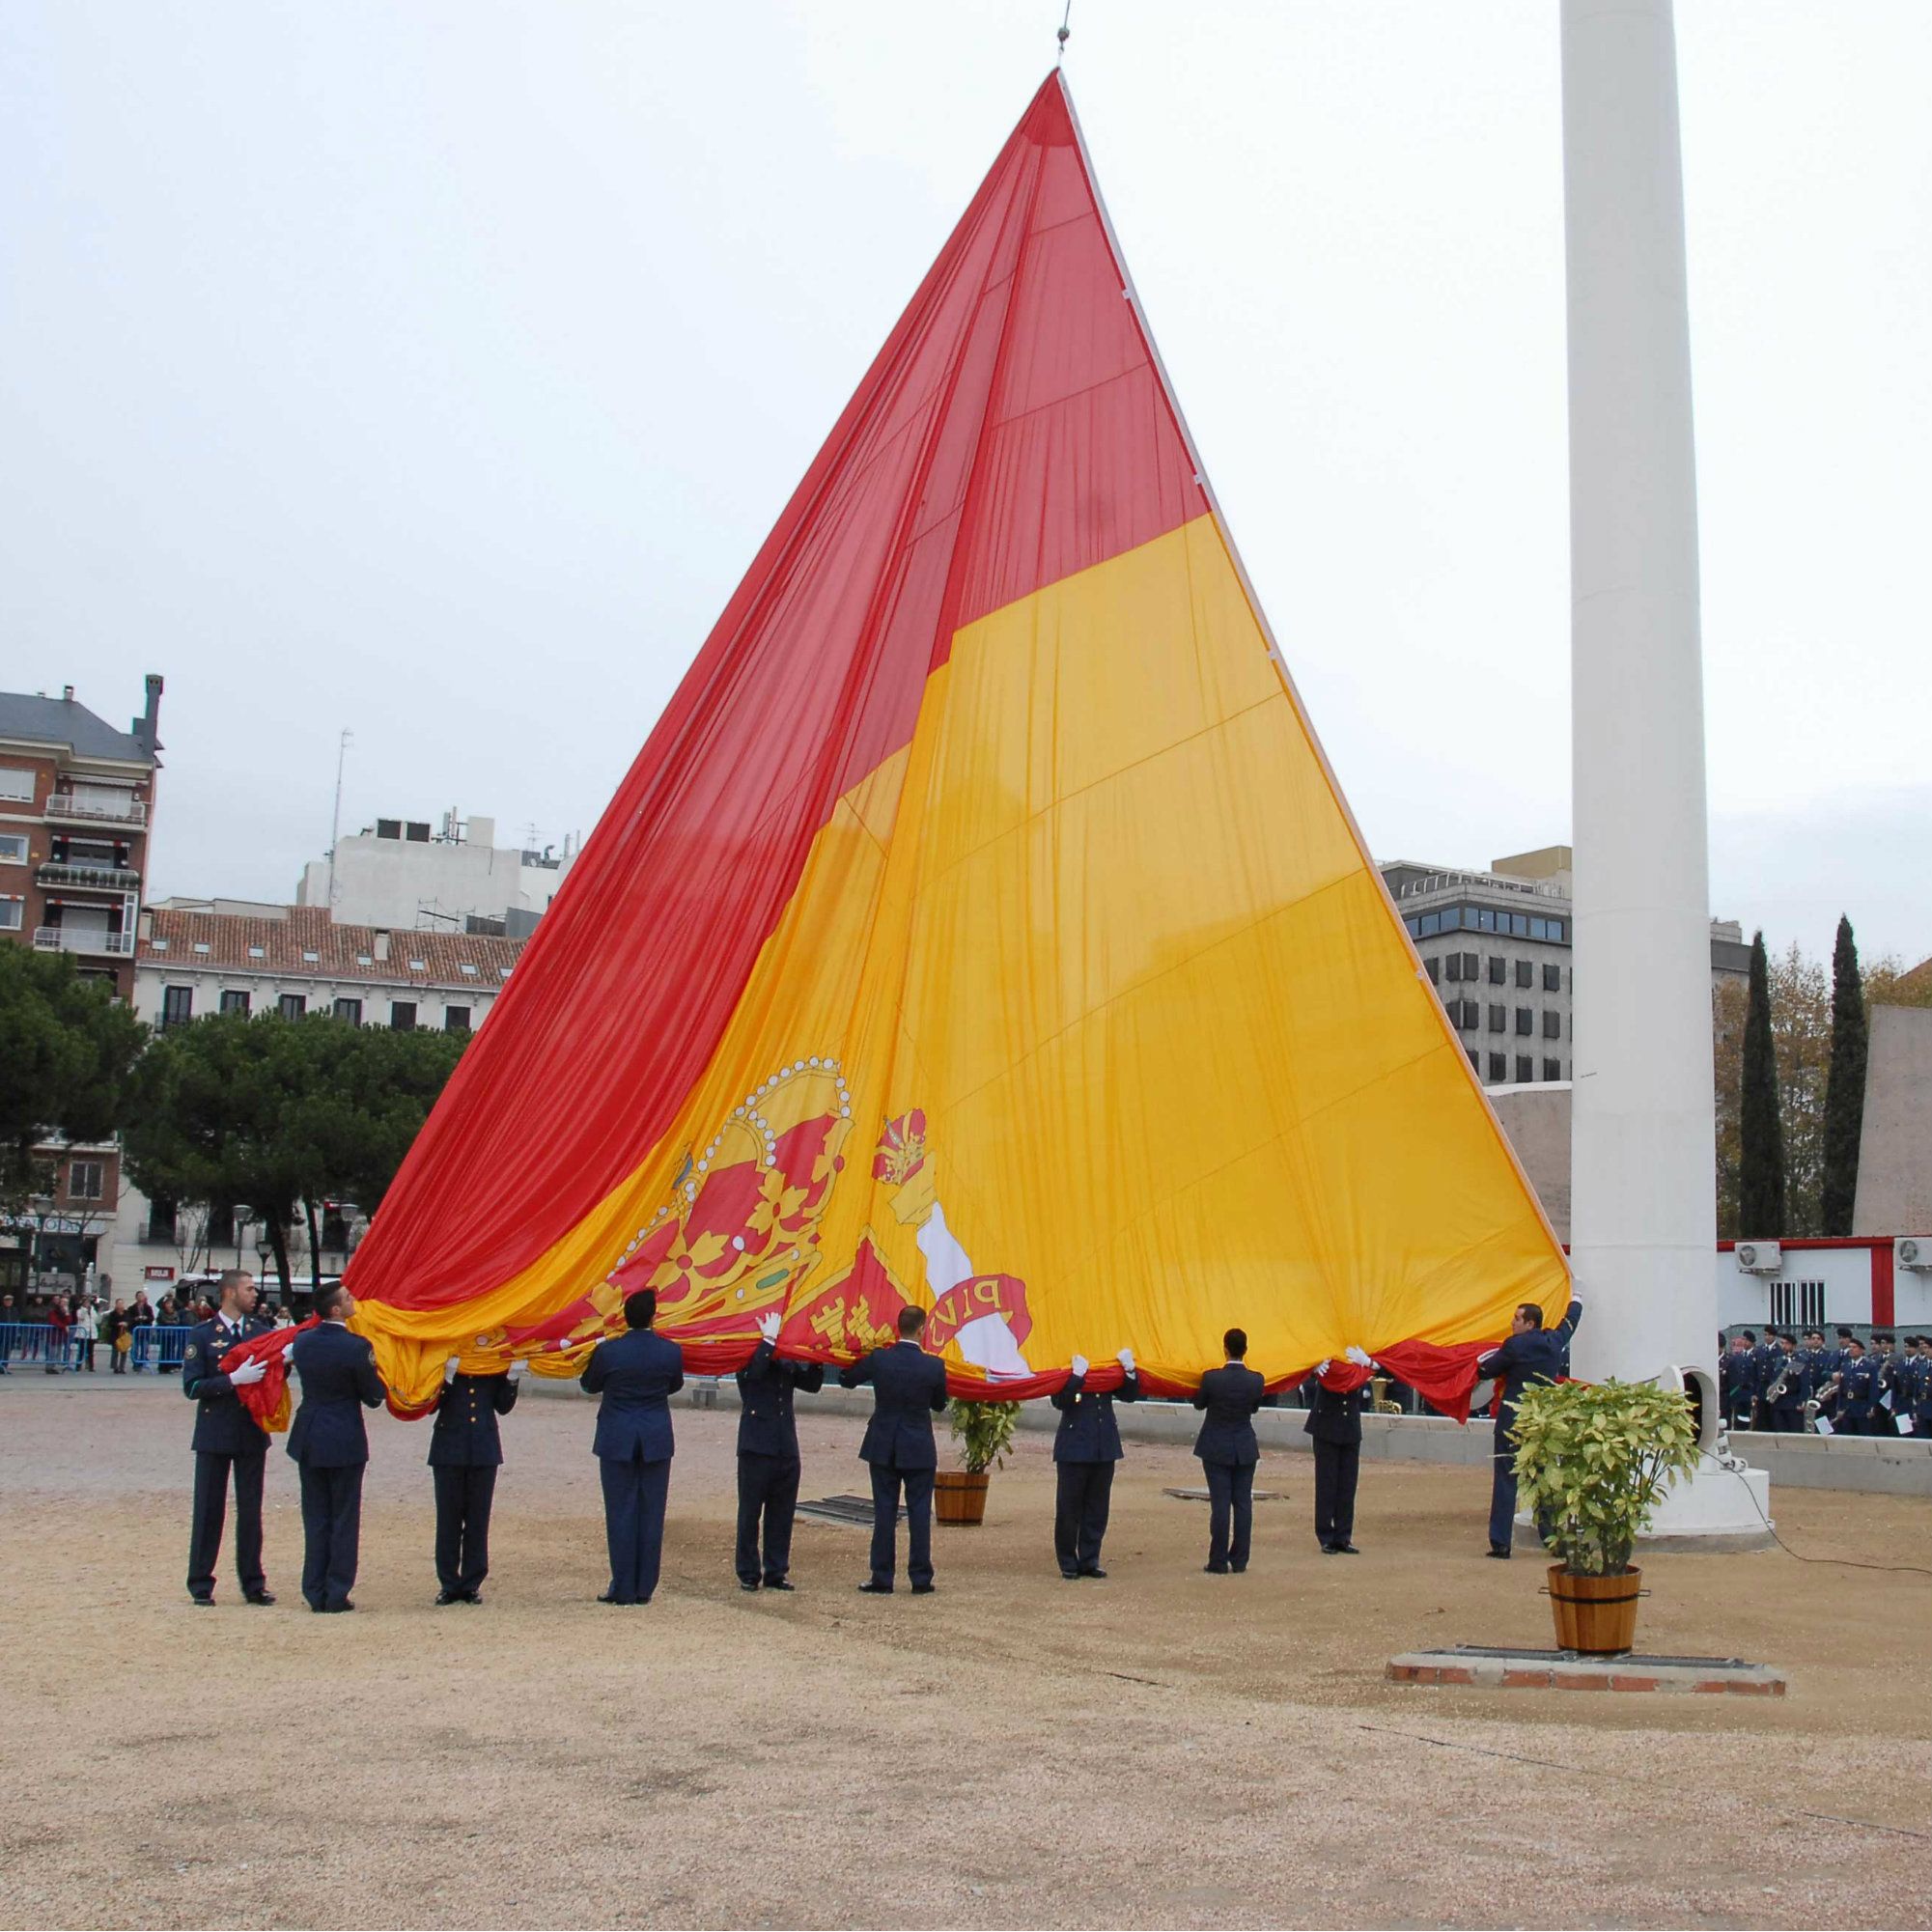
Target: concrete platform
1487, 1669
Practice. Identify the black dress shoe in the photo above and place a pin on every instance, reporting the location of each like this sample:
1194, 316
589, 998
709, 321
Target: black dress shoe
1496, 1551
202, 1603
1331, 1549
743, 1586
1072, 1575
1346, 1549
263, 1598
472, 1596
870, 1589
1215, 1569
924, 1589
1096, 1572
778, 1583
610, 1597
448, 1596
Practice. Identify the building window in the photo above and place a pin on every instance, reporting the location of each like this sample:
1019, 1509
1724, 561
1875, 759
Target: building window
1798, 1305
12, 914
160, 1221
232, 1001
1498, 969
455, 1019
1498, 1019
85, 1180
12, 848
350, 1010
1552, 1069
1498, 1067
1553, 1026
1475, 1061
292, 1005
1453, 966
1432, 923
16, 786
1525, 973
403, 1014
1553, 978
1525, 1021
1525, 1070
1434, 968
176, 1006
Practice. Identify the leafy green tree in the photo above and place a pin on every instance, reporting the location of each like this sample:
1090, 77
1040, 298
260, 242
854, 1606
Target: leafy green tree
280, 1115
66, 1055
1760, 1134
1845, 1086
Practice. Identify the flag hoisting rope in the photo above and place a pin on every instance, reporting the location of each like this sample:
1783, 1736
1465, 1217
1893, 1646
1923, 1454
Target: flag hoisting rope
1064, 19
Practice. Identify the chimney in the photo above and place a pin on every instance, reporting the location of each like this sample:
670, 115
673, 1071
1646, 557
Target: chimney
145, 727
67, 694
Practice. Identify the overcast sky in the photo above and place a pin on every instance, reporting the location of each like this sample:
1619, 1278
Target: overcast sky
434, 370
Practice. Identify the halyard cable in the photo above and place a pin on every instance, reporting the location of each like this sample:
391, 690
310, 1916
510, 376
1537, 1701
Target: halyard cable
1062, 35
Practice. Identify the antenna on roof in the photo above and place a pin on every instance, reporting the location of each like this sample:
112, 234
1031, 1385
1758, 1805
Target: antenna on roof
1061, 36
335, 823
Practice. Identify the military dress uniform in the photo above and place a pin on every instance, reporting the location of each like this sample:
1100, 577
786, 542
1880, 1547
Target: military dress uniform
637, 1374
1086, 1447
1736, 1379
1785, 1413
1522, 1360
1228, 1452
1766, 1358
1858, 1404
908, 1389
465, 1452
1921, 1397
330, 1448
227, 1440
1335, 1421
769, 1465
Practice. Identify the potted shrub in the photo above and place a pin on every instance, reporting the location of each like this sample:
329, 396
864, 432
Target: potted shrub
1593, 1460
985, 1432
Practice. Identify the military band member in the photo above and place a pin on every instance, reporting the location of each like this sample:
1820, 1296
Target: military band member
330, 1446
767, 1458
637, 1374
465, 1452
1737, 1376
1764, 1364
908, 1389
1858, 1403
1782, 1402
1532, 1353
1228, 1453
1884, 1357
1335, 1421
1820, 1365
1086, 1445
1921, 1397
226, 1440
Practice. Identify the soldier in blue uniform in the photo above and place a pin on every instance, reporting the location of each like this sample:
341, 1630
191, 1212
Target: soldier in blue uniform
1228, 1454
1783, 1404
465, 1452
908, 1389
330, 1446
1765, 1361
1335, 1421
227, 1440
1884, 1359
1086, 1445
1737, 1376
1858, 1402
767, 1457
1922, 1390
1532, 1353
637, 1374
1819, 1365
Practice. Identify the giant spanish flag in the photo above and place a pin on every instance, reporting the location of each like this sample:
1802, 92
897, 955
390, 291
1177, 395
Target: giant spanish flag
980, 928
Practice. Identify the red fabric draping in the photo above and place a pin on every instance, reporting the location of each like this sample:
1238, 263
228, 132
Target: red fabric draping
267, 1400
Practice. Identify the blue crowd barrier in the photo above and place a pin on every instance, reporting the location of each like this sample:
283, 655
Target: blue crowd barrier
158, 1348
36, 1344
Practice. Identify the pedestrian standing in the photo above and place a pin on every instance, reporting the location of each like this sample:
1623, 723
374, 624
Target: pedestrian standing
908, 1389
1086, 1447
120, 1338
637, 1374
1228, 1453
60, 1320
228, 1443
86, 1332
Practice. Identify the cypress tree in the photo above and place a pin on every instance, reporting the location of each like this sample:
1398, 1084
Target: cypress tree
1844, 1085
1761, 1137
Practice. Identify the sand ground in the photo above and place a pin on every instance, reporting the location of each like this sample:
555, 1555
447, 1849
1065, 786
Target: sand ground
1162, 1749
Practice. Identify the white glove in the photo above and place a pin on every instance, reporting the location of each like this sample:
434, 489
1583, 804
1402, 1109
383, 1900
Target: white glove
246, 1374
449, 1371
1323, 1368
1079, 1364
518, 1370
1360, 1357
1126, 1359
769, 1326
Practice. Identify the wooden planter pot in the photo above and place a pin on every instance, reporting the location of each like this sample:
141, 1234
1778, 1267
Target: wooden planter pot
1595, 1616
960, 1495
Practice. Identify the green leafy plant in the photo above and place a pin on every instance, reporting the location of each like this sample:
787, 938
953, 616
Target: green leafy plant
985, 1432
1593, 1460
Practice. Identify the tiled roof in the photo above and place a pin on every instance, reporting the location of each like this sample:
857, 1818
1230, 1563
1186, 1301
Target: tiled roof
63, 722
340, 952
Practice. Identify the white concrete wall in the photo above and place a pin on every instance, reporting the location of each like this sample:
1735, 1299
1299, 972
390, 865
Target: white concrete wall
1744, 1300
394, 883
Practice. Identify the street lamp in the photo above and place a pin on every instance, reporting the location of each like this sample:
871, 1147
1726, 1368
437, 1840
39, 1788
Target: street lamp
42, 1205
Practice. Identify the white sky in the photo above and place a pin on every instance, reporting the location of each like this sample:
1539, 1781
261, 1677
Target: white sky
434, 368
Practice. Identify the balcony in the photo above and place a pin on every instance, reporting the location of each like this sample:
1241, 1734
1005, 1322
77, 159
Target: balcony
78, 811
95, 873
71, 939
